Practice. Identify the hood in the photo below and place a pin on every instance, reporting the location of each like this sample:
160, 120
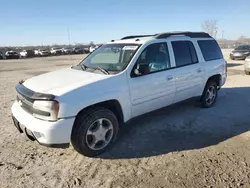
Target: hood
61, 81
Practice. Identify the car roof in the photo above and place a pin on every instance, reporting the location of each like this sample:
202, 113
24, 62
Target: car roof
142, 39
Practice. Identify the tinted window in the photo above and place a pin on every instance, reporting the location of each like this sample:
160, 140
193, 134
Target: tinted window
210, 50
184, 53
154, 58
243, 47
193, 52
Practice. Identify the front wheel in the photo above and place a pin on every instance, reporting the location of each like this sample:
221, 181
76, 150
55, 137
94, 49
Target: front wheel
94, 131
209, 95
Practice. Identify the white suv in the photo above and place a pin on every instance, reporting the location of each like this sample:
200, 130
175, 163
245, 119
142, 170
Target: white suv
86, 103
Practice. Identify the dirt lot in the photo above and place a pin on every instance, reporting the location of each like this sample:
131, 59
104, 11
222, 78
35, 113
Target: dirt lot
179, 146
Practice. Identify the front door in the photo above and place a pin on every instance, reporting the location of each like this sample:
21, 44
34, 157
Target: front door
152, 87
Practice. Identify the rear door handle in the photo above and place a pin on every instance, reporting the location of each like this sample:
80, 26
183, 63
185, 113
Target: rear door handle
169, 78
199, 70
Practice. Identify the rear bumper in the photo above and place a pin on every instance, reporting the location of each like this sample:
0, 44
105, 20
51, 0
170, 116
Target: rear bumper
223, 80
52, 134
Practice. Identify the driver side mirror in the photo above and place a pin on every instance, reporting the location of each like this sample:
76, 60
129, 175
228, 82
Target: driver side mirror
141, 69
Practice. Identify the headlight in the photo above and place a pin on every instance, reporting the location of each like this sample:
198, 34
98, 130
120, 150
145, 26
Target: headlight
46, 110
245, 53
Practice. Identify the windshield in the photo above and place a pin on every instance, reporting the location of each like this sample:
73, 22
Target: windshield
12, 53
111, 57
245, 47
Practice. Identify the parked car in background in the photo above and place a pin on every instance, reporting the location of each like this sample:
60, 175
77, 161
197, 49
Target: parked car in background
27, 53
86, 104
67, 51
86, 50
241, 52
77, 51
12, 55
92, 48
36, 51
247, 65
56, 51
43, 53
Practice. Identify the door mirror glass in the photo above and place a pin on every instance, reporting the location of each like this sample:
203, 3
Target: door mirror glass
141, 69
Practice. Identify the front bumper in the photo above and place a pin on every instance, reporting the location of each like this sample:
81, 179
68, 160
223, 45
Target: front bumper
52, 134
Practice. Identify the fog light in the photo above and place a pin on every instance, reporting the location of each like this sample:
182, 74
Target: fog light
38, 135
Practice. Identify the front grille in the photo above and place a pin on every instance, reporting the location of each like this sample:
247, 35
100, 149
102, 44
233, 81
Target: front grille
26, 103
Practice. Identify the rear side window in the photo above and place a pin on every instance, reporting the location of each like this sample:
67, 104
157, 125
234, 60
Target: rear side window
184, 53
210, 50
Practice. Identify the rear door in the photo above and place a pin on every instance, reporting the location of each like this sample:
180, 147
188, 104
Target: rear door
189, 72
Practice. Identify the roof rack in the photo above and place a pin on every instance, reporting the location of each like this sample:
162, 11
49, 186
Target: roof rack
166, 35
188, 34
135, 36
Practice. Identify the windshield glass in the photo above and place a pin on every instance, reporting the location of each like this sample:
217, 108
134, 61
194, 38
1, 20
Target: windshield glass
111, 57
245, 47
12, 53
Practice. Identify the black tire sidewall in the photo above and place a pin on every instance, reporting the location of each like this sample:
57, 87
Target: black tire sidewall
81, 126
203, 100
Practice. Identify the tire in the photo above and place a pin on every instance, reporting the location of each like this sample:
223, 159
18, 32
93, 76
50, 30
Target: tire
247, 73
86, 129
206, 100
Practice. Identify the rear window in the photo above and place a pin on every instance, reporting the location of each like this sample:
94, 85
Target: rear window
243, 47
210, 50
184, 53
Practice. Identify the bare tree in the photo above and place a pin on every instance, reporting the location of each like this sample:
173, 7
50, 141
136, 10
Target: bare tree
210, 26
91, 43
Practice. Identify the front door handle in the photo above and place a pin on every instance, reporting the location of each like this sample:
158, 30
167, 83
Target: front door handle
199, 70
169, 78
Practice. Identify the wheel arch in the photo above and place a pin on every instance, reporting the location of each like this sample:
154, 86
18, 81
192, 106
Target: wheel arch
217, 78
113, 105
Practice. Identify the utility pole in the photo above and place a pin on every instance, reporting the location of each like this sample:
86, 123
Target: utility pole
222, 34
68, 35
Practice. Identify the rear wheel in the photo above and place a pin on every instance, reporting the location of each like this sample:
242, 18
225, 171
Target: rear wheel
247, 73
209, 95
94, 131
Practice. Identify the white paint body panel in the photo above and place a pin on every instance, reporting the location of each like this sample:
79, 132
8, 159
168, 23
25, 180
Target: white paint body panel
77, 89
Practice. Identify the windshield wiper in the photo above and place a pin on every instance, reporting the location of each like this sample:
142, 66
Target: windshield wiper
83, 67
101, 69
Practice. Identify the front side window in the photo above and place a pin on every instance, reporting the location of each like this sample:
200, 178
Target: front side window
154, 58
184, 53
111, 57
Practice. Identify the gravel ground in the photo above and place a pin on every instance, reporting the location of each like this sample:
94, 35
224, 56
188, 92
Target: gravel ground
179, 146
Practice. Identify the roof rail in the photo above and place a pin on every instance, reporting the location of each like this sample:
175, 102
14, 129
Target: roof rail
189, 34
135, 36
